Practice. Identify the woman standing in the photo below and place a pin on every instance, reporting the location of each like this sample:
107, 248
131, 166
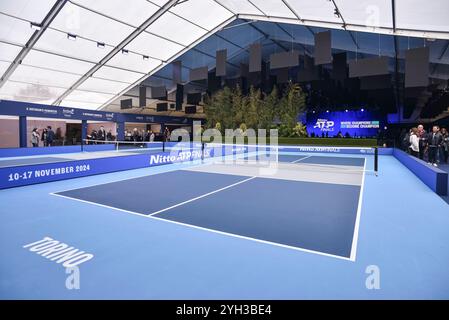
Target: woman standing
414, 143
445, 145
44, 137
35, 138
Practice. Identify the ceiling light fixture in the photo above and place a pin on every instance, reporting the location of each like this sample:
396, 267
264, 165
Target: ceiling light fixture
125, 52
101, 45
146, 58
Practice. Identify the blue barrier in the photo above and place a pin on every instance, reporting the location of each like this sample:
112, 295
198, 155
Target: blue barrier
434, 178
23, 152
40, 173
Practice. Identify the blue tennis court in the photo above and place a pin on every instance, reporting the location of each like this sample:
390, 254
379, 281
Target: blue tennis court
283, 210
309, 226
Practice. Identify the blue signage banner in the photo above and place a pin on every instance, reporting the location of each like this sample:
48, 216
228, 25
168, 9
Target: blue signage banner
40, 173
352, 123
16, 108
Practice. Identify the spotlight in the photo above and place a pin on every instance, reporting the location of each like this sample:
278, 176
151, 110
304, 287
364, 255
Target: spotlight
71, 37
101, 45
327, 111
346, 110
35, 26
125, 52
362, 109
313, 111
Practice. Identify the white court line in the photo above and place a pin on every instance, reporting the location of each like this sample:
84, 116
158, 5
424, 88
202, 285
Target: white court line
207, 229
97, 204
152, 215
175, 167
298, 160
185, 166
355, 237
138, 177
252, 239
202, 196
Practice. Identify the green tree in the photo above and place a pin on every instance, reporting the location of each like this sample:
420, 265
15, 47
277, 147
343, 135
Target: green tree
290, 105
238, 107
267, 110
218, 108
252, 107
230, 109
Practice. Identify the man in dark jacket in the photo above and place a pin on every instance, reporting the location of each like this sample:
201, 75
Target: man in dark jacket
101, 135
434, 140
50, 136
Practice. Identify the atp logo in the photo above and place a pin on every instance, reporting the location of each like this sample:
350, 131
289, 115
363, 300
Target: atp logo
324, 125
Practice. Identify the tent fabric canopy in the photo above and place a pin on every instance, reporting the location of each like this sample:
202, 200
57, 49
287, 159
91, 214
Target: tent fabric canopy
83, 53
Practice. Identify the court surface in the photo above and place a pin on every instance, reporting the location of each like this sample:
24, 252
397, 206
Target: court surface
240, 200
312, 228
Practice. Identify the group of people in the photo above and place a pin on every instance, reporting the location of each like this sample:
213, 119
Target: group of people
431, 146
142, 135
47, 137
101, 135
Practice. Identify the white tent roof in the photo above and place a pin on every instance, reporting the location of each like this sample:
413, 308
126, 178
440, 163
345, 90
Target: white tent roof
87, 53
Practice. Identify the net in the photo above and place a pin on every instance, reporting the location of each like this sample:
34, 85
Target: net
306, 158
246, 157
180, 150
123, 146
335, 165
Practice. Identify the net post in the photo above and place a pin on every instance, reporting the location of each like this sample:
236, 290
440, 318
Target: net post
376, 160
163, 145
202, 150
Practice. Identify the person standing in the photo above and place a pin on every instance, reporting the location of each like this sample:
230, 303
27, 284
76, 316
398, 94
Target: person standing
147, 136
109, 136
422, 141
94, 136
101, 135
405, 139
445, 145
434, 140
166, 134
35, 138
414, 142
151, 136
135, 135
50, 136
44, 137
